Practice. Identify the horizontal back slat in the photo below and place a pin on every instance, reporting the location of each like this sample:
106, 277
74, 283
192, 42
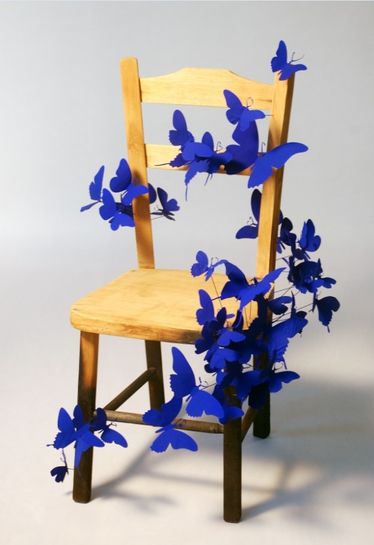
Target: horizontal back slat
159, 156
203, 87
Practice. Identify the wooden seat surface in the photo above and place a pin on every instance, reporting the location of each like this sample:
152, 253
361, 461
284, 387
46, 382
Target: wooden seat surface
151, 304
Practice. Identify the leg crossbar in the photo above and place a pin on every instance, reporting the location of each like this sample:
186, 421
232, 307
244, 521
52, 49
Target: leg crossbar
130, 390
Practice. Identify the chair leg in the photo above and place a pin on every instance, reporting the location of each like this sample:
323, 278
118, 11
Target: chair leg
89, 344
232, 471
156, 384
261, 425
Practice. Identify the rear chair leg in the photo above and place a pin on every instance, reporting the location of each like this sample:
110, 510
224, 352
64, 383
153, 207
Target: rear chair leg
156, 383
89, 344
232, 471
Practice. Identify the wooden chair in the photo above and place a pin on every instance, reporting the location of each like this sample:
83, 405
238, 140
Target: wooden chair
159, 305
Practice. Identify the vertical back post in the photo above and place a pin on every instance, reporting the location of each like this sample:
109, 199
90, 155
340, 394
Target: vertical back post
269, 216
137, 160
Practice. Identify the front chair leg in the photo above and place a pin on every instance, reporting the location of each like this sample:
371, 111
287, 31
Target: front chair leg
89, 345
232, 471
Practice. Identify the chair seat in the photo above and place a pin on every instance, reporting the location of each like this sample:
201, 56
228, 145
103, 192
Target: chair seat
151, 304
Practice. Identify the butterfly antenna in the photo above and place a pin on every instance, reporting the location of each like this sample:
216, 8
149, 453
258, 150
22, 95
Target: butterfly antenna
295, 60
250, 101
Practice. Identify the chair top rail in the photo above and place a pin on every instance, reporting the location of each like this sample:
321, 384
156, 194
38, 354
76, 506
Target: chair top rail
204, 87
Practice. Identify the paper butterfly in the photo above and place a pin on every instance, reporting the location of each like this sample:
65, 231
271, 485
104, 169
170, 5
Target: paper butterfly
279, 63
239, 114
169, 436
183, 384
168, 206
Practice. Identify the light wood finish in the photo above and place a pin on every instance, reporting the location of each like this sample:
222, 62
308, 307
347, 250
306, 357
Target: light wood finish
159, 157
151, 304
180, 423
89, 346
204, 87
137, 160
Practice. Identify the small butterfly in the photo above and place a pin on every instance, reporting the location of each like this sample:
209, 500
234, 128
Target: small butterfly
277, 378
180, 135
238, 285
277, 338
206, 312
237, 113
122, 182
183, 384
168, 206
279, 304
169, 436
279, 63
117, 213
326, 306
276, 158
309, 241
59, 473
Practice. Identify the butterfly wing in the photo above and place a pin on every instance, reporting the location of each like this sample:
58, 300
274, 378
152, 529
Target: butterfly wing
206, 312
276, 158
289, 69
203, 402
59, 473
109, 207
201, 264
235, 107
277, 379
110, 435
132, 192
326, 306
309, 241
247, 231
121, 219
174, 438
97, 184
67, 433
86, 439
165, 415
180, 136
280, 59
122, 180
183, 381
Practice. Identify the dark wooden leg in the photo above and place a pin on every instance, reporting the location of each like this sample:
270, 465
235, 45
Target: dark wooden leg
232, 471
156, 384
261, 425
89, 344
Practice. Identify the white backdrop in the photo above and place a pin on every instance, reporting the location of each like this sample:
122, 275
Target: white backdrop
60, 119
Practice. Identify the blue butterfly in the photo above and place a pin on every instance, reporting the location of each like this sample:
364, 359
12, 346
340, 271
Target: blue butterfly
168, 206
59, 473
238, 285
237, 113
122, 182
276, 158
169, 436
326, 306
117, 214
183, 384
75, 430
108, 434
309, 241
244, 153
202, 157
95, 189
206, 312
279, 304
251, 231
202, 265
278, 336
277, 378
279, 63
181, 135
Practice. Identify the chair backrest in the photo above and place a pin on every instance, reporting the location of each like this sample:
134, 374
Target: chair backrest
202, 87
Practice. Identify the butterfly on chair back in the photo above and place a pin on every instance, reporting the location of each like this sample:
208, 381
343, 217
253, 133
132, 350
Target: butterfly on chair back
159, 305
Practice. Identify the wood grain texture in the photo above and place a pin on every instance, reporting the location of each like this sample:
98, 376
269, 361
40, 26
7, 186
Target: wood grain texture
204, 87
150, 304
137, 159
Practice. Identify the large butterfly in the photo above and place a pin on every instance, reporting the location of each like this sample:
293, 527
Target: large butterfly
238, 285
239, 114
244, 153
183, 384
122, 182
169, 436
118, 214
203, 266
279, 63
276, 158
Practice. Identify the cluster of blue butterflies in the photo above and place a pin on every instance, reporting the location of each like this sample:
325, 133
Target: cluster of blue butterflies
120, 213
75, 431
241, 352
